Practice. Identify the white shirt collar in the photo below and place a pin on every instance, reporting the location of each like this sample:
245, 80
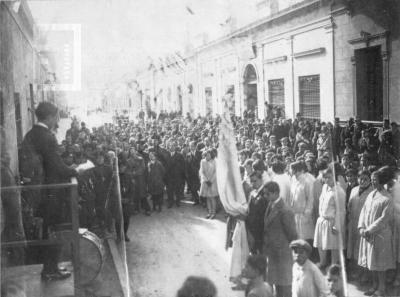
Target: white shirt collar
276, 201
42, 125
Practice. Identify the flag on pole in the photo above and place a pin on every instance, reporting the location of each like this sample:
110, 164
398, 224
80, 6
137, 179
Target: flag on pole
231, 191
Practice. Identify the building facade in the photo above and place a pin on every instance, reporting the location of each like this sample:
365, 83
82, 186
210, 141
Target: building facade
322, 59
25, 79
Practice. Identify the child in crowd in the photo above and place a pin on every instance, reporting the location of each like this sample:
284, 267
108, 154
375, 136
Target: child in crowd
197, 286
308, 280
254, 270
334, 279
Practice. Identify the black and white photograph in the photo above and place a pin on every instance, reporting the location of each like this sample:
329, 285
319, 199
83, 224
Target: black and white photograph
200, 148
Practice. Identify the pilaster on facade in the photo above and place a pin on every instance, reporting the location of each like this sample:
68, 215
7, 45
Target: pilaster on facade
291, 106
260, 82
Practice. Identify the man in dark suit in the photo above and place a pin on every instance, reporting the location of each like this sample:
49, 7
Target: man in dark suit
175, 176
43, 142
279, 231
255, 218
193, 160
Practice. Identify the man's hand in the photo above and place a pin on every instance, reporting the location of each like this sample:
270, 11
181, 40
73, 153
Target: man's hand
334, 230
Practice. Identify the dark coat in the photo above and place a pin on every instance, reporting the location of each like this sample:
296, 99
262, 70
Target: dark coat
45, 145
176, 170
156, 178
137, 170
279, 231
193, 167
255, 220
54, 205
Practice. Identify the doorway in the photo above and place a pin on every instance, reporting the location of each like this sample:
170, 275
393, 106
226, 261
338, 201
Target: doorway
369, 83
250, 90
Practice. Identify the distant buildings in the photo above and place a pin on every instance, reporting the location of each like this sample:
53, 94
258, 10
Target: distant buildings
322, 59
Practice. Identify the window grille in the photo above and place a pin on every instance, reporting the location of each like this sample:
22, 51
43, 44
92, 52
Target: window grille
276, 93
309, 95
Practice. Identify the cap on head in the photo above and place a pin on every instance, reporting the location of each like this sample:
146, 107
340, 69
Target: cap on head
301, 243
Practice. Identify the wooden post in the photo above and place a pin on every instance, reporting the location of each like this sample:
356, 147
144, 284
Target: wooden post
75, 237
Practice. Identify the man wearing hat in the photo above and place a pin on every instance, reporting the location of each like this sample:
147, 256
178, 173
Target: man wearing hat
308, 280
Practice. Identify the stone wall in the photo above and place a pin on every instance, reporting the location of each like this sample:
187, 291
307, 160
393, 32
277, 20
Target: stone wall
18, 69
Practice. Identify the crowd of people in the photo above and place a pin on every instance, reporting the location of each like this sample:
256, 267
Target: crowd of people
336, 181
331, 186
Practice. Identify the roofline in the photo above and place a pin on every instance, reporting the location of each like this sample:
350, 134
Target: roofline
258, 23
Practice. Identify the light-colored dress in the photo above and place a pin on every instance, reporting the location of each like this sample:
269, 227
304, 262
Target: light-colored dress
396, 227
331, 214
376, 217
308, 281
208, 173
301, 203
356, 202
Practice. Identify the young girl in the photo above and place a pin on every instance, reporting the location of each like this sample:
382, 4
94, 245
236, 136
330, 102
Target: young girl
208, 186
330, 220
375, 228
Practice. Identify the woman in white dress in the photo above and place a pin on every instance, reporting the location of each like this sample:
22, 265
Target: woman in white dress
302, 201
330, 222
208, 178
356, 202
375, 226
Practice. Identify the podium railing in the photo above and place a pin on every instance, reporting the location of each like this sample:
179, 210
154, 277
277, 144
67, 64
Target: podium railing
73, 186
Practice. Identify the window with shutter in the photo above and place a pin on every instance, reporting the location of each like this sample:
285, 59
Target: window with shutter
276, 93
309, 96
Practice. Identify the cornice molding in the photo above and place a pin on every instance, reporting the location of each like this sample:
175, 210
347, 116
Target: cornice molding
276, 59
317, 51
368, 38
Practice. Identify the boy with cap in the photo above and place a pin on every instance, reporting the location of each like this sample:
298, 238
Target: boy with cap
308, 280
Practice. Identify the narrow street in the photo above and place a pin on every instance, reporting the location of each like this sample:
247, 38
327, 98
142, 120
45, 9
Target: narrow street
167, 247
